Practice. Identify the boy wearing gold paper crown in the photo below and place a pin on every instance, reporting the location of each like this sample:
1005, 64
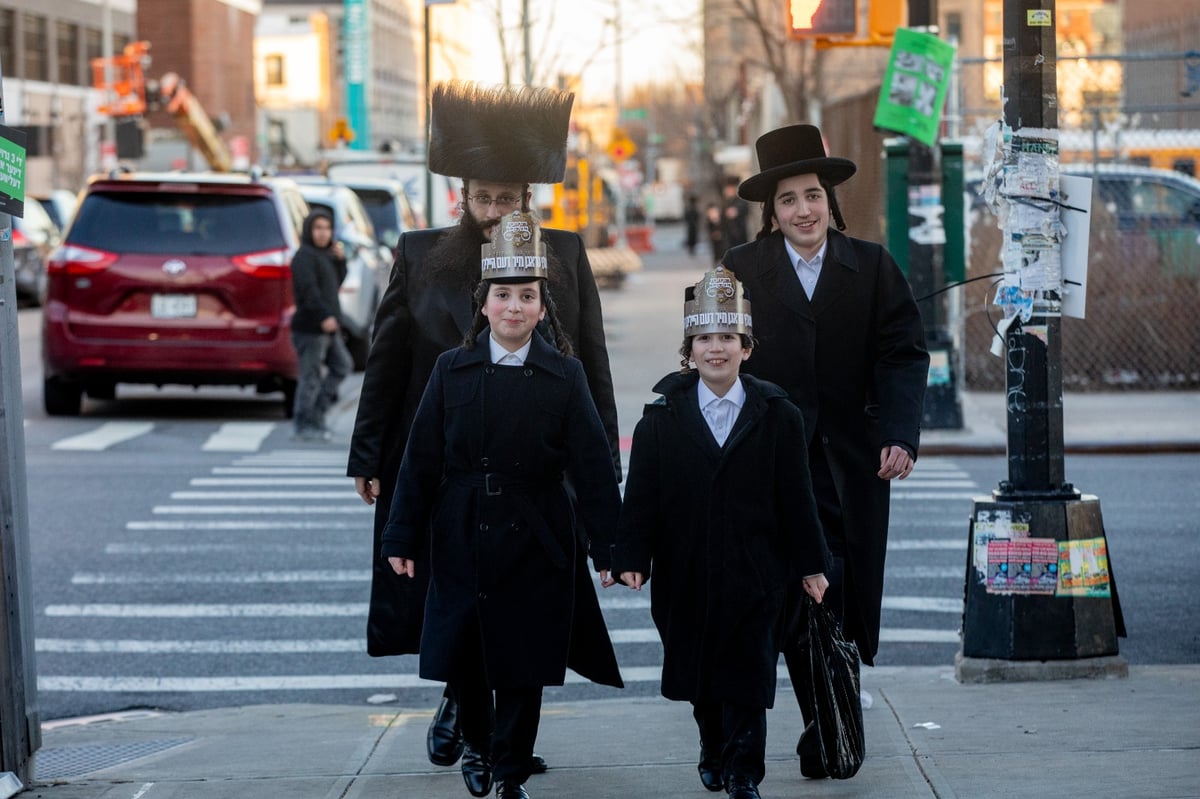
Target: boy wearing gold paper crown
719, 510
480, 499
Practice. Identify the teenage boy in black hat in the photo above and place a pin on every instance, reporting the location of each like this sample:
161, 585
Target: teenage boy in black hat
498, 140
842, 335
719, 510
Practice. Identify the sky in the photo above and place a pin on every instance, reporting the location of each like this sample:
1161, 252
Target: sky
660, 41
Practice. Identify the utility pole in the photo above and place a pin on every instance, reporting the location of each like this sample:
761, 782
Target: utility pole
20, 731
622, 200
525, 42
1040, 600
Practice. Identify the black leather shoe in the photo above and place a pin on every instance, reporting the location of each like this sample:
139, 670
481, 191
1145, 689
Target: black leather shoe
710, 771
444, 741
537, 764
476, 771
742, 788
810, 754
512, 790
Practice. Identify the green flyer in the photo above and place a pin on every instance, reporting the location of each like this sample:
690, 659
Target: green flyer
12, 171
914, 87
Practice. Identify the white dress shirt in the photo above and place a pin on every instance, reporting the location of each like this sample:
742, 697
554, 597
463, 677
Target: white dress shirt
721, 412
809, 272
506, 358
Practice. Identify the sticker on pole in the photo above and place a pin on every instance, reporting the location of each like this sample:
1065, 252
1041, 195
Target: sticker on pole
914, 86
12, 171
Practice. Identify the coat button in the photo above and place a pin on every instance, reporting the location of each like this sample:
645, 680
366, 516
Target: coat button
484, 462
824, 439
529, 373
482, 596
483, 527
490, 370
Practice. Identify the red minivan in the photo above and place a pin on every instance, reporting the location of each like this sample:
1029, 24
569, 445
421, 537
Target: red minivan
172, 279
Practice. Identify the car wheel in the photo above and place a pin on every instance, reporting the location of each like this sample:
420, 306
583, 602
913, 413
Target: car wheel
102, 391
61, 397
289, 398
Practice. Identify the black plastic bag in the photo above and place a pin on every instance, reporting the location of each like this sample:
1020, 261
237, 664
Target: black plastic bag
836, 729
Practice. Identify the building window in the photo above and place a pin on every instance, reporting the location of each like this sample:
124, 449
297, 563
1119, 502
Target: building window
275, 75
67, 34
37, 46
8, 41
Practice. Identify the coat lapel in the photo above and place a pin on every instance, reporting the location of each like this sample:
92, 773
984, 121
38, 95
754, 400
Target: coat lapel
687, 404
779, 279
838, 273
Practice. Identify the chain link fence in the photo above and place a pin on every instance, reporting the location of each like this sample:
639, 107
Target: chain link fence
1132, 122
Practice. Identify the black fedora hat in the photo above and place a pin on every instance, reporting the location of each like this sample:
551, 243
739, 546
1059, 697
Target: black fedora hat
788, 151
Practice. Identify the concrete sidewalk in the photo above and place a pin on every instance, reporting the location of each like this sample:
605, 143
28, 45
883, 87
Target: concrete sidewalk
927, 736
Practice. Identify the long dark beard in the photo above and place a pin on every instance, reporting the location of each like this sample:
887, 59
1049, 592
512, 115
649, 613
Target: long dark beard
455, 260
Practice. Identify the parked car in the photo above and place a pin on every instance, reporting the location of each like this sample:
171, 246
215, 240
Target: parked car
34, 238
60, 204
388, 205
441, 210
367, 266
173, 279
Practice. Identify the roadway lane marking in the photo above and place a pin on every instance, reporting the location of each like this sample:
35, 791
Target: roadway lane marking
923, 603
928, 495
203, 495
360, 508
238, 437
88, 646
212, 482
104, 436
233, 578
213, 611
209, 549
926, 572
240, 526
917, 635
917, 482
252, 470
958, 544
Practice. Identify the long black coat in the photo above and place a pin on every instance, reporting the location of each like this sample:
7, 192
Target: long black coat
503, 549
724, 533
854, 360
419, 319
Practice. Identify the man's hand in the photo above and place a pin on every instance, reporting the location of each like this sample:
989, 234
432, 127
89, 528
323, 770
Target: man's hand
339, 250
367, 488
329, 324
894, 462
815, 587
606, 578
403, 566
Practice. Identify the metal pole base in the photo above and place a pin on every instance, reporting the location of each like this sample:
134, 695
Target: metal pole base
985, 670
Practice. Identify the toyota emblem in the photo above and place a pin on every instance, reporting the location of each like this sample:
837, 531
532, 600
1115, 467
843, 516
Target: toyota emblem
174, 267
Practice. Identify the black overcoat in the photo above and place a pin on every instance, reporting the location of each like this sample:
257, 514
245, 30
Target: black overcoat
724, 533
854, 360
419, 319
481, 485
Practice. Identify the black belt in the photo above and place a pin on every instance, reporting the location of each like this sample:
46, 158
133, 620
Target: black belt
495, 483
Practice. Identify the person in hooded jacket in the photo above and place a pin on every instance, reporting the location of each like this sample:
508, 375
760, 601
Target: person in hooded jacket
719, 512
323, 361
480, 502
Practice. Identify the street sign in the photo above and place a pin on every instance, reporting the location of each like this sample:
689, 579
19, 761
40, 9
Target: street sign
621, 148
12, 171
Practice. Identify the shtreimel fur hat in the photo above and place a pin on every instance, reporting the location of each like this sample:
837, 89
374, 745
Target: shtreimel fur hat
499, 133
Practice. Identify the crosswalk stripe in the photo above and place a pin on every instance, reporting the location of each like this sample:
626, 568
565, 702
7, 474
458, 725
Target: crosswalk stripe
213, 482
263, 610
201, 495
258, 510
917, 635
923, 603
280, 470
104, 436
238, 437
241, 525
906, 544
916, 482
233, 578
933, 495
208, 549
927, 572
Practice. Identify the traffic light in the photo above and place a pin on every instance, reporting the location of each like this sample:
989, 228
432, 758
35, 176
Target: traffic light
813, 18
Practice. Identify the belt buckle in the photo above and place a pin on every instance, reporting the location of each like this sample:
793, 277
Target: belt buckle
487, 486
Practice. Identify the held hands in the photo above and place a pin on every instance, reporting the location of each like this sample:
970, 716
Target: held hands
815, 587
403, 566
606, 578
367, 488
329, 324
633, 579
894, 462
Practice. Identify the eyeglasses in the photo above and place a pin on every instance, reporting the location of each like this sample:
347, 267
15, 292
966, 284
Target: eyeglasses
505, 202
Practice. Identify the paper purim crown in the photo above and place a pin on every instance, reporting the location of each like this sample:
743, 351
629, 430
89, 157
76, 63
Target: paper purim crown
516, 251
716, 304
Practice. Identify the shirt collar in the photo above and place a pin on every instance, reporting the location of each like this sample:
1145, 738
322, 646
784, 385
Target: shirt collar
797, 259
736, 394
499, 353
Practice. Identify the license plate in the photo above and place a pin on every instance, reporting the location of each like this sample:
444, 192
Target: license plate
172, 306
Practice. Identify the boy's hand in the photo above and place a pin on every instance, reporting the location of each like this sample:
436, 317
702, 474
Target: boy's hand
403, 566
815, 587
606, 578
633, 580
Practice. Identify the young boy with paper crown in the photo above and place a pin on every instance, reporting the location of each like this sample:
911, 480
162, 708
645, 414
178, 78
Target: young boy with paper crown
480, 491
719, 509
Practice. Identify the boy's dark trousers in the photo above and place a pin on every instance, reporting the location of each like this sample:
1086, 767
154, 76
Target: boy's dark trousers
736, 736
504, 724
